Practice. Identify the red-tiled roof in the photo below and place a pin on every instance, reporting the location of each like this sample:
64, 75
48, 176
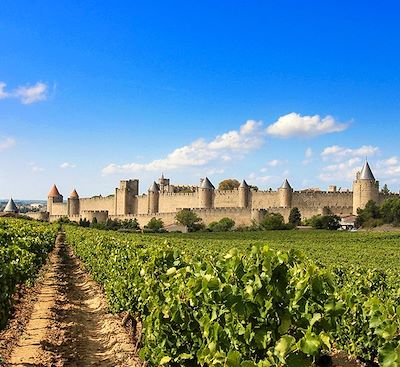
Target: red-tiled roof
53, 192
74, 195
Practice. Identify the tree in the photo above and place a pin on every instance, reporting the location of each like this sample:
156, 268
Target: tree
155, 224
273, 221
295, 217
224, 225
189, 219
370, 216
385, 189
331, 222
229, 184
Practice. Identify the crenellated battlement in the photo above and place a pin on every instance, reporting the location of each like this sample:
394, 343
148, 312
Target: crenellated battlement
243, 204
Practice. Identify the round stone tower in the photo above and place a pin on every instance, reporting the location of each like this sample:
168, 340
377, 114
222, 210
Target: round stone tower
206, 194
285, 193
73, 204
154, 198
365, 188
244, 195
54, 196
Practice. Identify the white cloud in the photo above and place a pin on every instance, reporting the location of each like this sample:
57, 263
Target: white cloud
389, 169
345, 170
29, 95
26, 94
337, 152
3, 93
293, 124
274, 162
200, 152
7, 143
67, 165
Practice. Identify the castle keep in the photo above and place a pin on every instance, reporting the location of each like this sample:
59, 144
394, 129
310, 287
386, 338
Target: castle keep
244, 204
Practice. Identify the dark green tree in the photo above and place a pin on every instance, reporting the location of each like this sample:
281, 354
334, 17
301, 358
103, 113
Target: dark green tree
223, 225
189, 219
295, 217
155, 224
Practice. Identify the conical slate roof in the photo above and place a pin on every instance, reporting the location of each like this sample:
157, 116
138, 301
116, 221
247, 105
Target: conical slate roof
74, 195
244, 184
154, 187
54, 192
206, 184
286, 185
11, 207
366, 173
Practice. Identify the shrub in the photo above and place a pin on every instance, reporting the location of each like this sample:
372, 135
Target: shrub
331, 222
273, 221
224, 225
155, 224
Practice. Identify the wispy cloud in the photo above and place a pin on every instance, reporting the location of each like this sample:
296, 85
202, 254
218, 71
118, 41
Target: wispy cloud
35, 167
225, 147
295, 125
67, 165
336, 152
308, 154
7, 143
26, 94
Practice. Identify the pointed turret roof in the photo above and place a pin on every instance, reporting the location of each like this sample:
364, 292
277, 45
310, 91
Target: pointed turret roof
54, 192
74, 195
286, 185
206, 184
366, 173
154, 187
244, 184
11, 207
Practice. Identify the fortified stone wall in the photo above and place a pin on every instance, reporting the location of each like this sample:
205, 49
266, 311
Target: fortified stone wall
60, 209
170, 201
322, 199
142, 205
226, 198
264, 199
98, 203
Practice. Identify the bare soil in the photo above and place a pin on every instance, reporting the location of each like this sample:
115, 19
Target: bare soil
65, 321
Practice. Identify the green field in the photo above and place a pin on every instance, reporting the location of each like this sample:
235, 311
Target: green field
379, 250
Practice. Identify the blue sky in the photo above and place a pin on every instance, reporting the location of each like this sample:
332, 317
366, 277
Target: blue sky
263, 90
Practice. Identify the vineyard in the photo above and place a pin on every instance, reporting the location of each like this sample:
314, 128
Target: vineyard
24, 246
235, 302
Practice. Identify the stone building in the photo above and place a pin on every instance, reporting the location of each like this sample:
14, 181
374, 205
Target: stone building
244, 204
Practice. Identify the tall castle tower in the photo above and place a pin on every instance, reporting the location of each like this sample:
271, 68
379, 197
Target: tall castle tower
73, 204
244, 195
206, 194
154, 198
125, 197
54, 196
285, 193
365, 188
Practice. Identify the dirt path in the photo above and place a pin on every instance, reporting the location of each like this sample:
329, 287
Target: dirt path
69, 324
